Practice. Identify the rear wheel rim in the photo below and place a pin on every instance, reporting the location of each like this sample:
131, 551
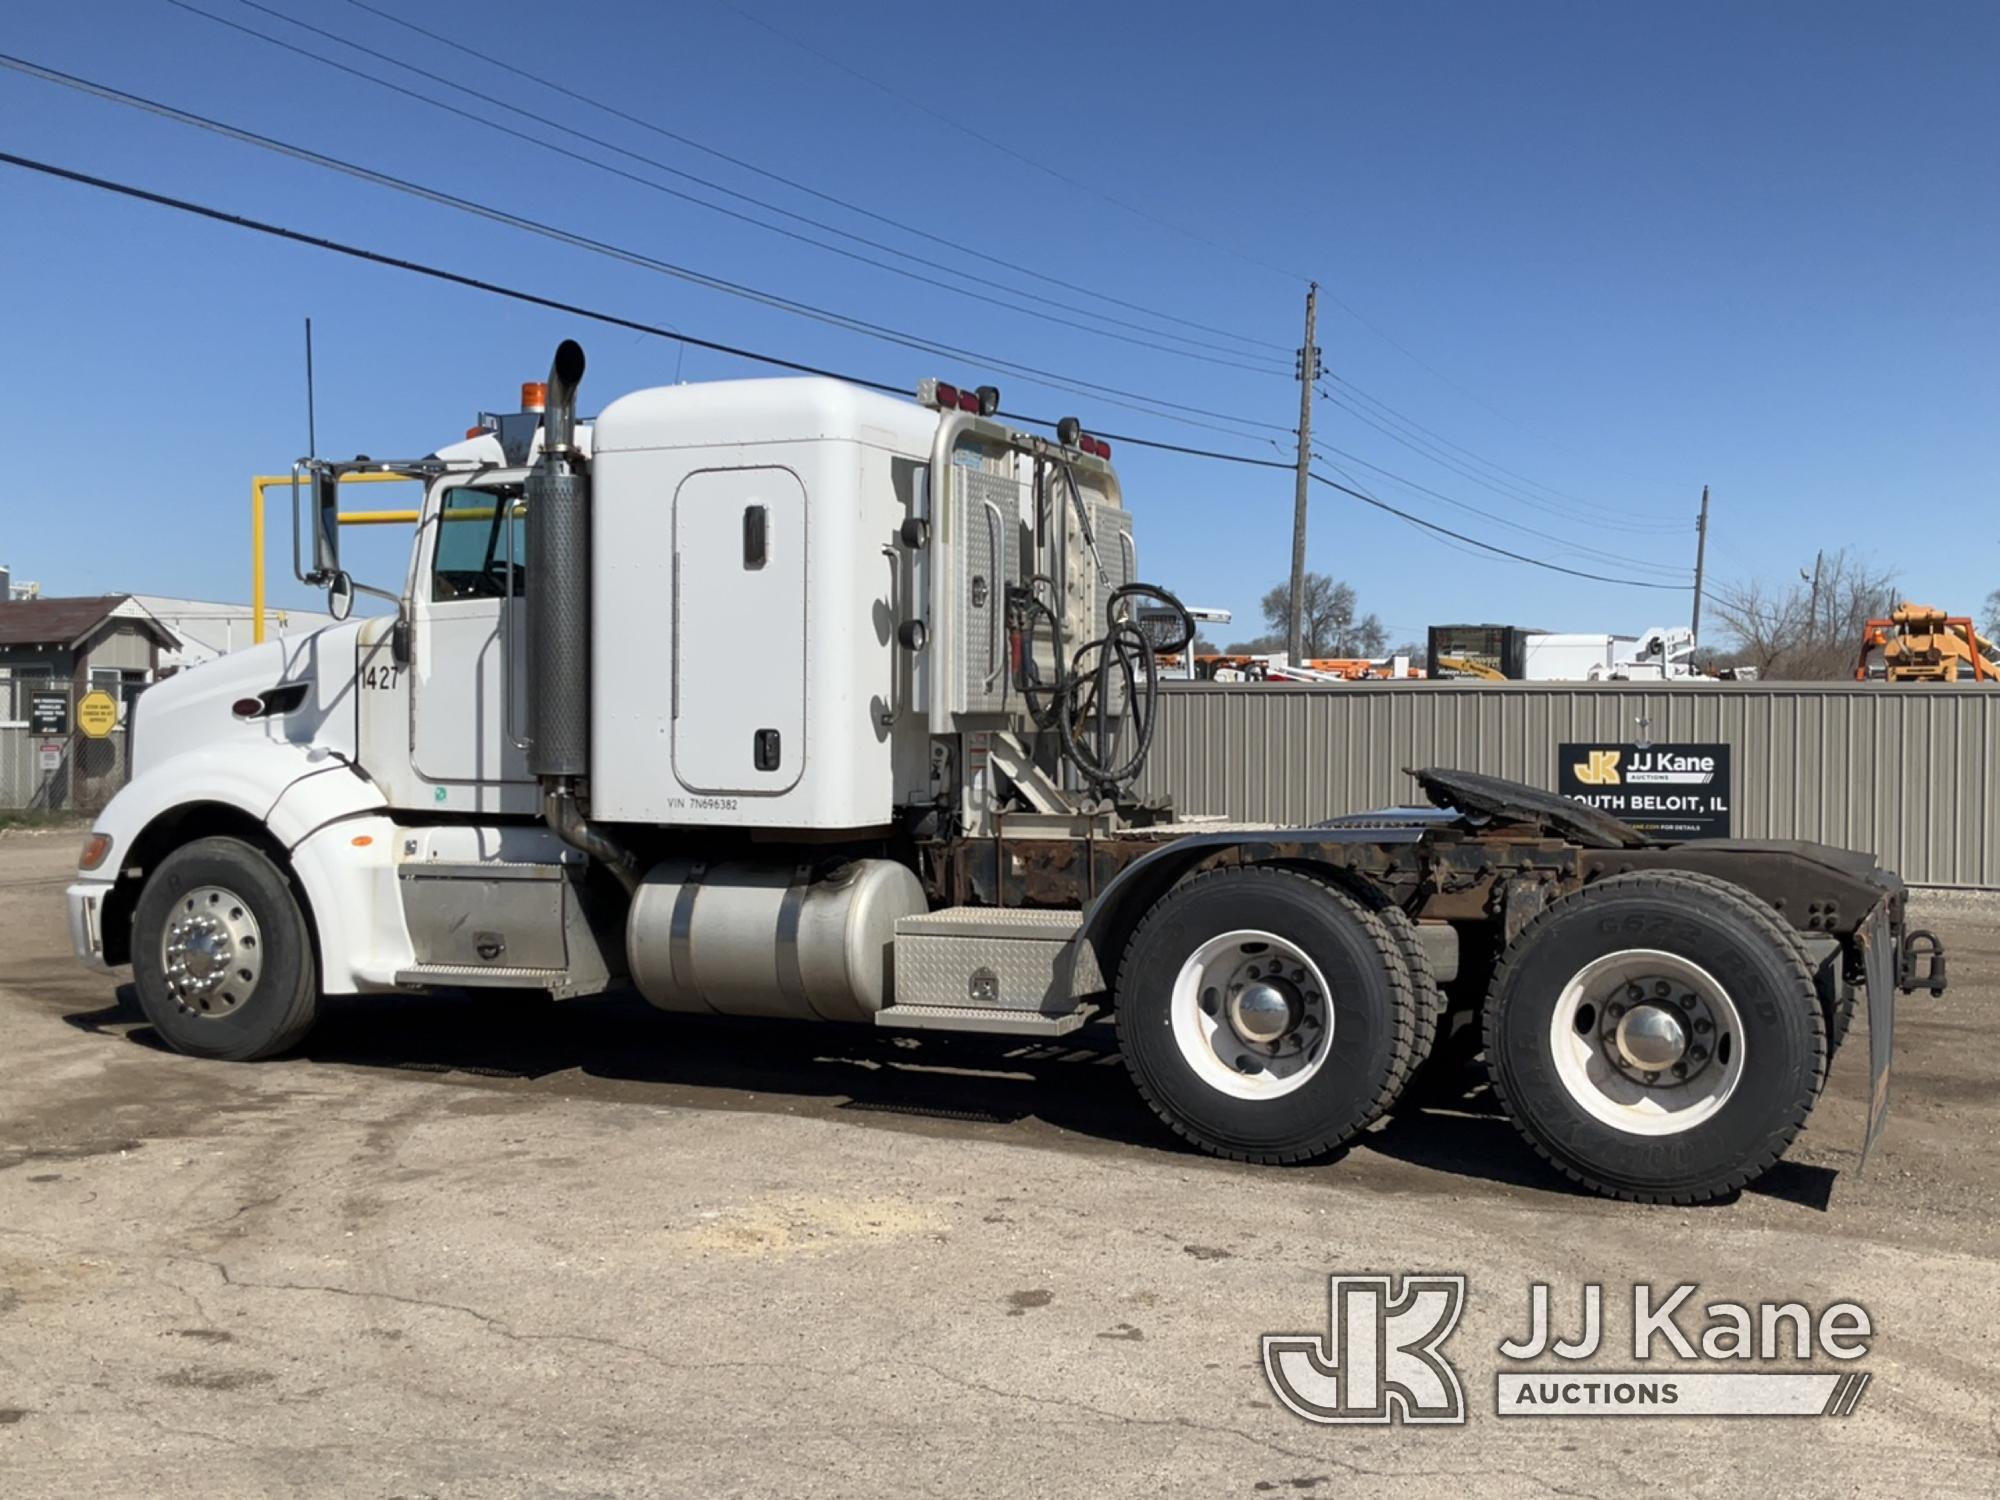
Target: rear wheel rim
1647, 1042
1252, 1014
211, 952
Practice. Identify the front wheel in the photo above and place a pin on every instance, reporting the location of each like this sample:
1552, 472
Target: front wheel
1264, 1014
1657, 1036
221, 956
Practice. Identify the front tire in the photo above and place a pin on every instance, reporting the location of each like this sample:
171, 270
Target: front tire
1657, 1037
221, 956
1266, 1015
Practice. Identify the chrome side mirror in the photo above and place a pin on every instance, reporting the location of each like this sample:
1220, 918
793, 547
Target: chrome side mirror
340, 595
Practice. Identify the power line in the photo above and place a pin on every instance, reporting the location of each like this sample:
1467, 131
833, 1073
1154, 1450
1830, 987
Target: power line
797, 186
1074, 385
1095, 190
438, 273
1473, 541
1595, 516
1412, 422
552, 304
1508, 521
658, 165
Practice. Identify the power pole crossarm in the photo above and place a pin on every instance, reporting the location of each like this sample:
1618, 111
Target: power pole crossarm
1308, 373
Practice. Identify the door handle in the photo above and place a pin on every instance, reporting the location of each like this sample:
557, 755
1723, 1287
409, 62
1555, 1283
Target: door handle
997, 540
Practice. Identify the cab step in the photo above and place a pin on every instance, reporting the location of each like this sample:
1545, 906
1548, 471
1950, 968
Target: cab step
984, 1018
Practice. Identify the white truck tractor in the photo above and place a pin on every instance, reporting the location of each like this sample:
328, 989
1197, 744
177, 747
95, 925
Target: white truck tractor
786, 698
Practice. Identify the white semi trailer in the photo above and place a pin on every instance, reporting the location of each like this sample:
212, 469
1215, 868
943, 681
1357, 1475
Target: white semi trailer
786, 698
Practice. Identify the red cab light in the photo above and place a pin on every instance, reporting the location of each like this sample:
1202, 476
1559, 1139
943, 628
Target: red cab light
947, 395
969, 401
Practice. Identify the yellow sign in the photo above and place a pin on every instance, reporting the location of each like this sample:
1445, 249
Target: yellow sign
97, 714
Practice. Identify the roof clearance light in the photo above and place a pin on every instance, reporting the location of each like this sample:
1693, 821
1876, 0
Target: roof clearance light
473, 432
1104, 450
534, 395
947, 396
968, 401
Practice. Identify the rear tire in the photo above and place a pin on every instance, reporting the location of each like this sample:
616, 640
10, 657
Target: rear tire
1427, 998
1657, 1036
1266, 1015
221, 956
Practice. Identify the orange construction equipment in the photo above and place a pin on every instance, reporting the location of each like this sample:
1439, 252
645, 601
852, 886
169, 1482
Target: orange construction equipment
1921, 644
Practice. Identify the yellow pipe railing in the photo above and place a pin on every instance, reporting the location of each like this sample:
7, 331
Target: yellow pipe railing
263, 482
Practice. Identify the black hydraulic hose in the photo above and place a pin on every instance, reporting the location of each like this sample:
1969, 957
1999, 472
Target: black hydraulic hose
1079, 703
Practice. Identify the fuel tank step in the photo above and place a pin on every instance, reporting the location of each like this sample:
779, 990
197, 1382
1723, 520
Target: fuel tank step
983, 1018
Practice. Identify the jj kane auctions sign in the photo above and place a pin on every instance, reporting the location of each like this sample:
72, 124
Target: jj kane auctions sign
1669, 791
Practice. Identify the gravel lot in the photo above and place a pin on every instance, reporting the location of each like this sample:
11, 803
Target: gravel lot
457, 1249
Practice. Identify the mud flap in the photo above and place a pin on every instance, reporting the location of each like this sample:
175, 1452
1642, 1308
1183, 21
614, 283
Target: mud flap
1878, 957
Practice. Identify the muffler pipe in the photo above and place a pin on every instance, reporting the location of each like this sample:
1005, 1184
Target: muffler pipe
559, 585
559, 624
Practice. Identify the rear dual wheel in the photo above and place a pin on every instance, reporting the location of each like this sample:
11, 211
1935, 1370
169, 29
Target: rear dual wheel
1265, 1014
1657, 1036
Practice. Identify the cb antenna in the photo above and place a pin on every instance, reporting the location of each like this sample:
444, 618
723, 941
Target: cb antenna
312, 435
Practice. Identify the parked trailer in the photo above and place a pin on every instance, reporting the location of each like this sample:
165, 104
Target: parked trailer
549, 770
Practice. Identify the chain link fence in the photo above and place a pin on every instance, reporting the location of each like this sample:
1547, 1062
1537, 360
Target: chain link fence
60, 772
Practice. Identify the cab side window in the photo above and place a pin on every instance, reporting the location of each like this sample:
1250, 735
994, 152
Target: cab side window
473, 537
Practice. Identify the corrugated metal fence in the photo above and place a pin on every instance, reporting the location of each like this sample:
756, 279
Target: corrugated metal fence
1905, 772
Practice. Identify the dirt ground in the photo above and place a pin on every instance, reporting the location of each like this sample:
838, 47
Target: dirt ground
460, 1249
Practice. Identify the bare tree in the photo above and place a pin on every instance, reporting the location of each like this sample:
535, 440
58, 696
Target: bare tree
1329, 626
1327, 615
1808, 630
1993, 614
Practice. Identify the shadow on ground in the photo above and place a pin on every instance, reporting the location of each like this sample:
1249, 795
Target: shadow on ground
937, 1082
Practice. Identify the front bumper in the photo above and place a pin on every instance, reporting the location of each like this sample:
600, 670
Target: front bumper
86, 901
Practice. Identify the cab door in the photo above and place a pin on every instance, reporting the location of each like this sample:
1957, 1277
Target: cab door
461, 703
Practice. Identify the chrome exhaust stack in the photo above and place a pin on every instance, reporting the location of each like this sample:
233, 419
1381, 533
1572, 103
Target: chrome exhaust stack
558, 596
559, 585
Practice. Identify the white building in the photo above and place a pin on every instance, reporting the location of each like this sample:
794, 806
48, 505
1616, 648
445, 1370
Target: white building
207, 630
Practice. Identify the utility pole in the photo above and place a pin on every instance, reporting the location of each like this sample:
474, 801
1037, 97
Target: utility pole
1700, 557
1308, 373
1812, 613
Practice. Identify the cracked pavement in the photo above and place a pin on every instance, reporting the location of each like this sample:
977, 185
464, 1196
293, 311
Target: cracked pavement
460, 1248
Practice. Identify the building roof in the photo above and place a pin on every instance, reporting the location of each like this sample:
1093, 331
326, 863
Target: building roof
66, 622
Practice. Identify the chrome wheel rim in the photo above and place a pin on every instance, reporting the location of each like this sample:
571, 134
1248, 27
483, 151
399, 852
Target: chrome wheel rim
1252, 1014
212, 952
1647, 1042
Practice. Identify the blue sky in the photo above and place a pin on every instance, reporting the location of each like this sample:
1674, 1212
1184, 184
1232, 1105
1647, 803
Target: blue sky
1618, 251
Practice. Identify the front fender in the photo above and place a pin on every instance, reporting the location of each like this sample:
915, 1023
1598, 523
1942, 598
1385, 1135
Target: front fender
290, 789
330, 820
